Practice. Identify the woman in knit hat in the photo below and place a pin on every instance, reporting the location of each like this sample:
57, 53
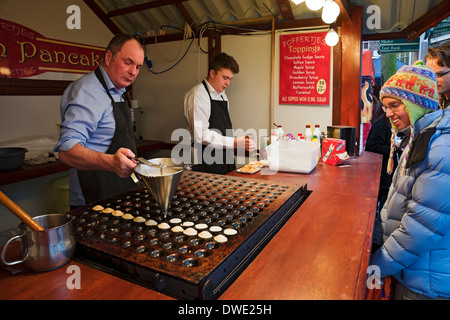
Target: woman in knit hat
414, 227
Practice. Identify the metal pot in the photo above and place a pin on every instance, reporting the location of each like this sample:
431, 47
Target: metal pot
48, 249
11, 158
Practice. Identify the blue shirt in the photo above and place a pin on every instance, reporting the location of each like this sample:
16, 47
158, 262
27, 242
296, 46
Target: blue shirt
87, 118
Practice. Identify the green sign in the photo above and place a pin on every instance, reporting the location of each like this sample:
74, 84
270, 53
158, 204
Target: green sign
398, 45
441, 30
399, 41
396, 48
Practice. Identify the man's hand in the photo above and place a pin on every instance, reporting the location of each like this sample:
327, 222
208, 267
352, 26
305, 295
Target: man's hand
82, 158
123, 165
245, 143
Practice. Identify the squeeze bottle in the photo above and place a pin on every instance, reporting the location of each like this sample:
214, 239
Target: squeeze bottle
317, 131
308, 133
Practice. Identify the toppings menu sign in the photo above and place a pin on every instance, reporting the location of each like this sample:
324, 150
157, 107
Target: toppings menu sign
26, 53
304, 69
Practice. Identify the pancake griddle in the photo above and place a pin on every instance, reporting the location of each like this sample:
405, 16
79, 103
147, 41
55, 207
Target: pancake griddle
177, 264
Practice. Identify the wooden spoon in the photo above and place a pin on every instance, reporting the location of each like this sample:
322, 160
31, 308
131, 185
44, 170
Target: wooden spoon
22, 215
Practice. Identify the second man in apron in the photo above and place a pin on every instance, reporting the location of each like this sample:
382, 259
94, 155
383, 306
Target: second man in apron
206, 110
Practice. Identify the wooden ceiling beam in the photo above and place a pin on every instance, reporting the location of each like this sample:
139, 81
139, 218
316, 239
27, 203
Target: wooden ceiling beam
346, 9
100, 13
186, 16
144, 6
300, 23
285, 9
430, 19
261, 26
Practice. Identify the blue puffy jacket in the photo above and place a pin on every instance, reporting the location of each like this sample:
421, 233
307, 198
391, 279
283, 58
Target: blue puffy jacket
415, 219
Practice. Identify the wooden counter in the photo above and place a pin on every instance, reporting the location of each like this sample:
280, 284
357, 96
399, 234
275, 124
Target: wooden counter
322, 252
26, 172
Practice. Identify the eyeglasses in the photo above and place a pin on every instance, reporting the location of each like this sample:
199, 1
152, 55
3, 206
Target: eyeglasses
393, 107
441, 74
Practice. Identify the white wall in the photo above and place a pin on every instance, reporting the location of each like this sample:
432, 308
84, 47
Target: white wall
161, 95
249, 92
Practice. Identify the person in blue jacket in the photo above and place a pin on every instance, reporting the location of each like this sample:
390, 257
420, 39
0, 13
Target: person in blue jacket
414, 227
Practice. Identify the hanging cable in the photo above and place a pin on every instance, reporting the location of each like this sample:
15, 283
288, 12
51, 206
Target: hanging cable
168, 69
203, 28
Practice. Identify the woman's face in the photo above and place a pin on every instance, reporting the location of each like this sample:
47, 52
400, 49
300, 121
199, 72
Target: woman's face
396, 111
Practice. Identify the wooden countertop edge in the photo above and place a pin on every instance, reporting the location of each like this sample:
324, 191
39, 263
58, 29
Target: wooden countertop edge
367, 250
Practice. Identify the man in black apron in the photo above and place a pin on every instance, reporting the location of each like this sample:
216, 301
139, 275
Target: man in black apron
97, 184
207, 114
101, 175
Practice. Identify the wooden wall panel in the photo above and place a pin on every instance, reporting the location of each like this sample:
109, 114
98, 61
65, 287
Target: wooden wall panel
351, 55
32, 87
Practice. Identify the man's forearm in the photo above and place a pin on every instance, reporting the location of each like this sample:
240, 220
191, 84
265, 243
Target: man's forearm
83, 158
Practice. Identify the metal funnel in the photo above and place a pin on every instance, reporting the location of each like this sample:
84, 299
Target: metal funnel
161, 181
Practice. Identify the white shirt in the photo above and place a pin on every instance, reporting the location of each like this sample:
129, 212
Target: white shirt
197, 110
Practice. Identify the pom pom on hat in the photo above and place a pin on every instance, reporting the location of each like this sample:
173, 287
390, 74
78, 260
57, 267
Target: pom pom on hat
416, 87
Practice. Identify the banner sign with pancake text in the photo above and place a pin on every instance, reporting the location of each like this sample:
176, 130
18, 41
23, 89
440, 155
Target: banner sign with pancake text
26, 53
304, 69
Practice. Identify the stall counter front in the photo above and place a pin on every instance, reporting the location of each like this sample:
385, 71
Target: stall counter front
322, 252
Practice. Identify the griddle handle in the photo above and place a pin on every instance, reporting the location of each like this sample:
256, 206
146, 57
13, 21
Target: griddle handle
161, 282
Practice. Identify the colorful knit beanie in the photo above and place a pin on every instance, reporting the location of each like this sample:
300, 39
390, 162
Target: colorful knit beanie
415, 86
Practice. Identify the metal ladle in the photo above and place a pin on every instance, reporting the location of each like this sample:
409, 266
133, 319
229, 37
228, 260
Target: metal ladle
160, 165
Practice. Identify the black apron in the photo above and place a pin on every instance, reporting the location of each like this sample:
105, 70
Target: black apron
220, 121
98, 185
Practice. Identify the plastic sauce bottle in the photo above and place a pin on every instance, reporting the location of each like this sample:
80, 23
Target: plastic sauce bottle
280, 133
317, 131
274, 138
314, 139
308, 133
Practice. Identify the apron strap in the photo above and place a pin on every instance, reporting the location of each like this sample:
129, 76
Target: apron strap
100, 78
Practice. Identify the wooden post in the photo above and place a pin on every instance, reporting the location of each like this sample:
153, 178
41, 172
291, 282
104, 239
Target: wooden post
214, 45
351, 37
272, 75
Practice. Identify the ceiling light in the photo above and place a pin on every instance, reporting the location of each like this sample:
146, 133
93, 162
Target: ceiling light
315, 5
332, 38
297, 2
330, 11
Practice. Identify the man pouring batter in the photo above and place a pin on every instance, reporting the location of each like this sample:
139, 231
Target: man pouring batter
97, 138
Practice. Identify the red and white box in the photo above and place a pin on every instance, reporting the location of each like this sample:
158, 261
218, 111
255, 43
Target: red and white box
333, 151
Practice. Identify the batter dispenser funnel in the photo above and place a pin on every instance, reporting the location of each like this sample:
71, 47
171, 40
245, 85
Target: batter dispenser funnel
161, 180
